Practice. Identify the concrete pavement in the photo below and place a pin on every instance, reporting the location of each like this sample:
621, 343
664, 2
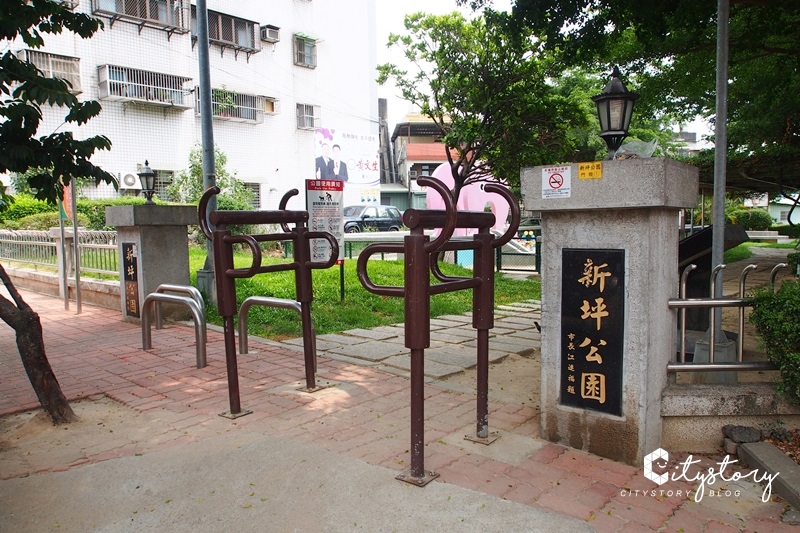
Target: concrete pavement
316, 462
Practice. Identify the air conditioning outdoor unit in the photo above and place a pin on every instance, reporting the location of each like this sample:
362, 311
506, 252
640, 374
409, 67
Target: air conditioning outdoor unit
270, 34
129, 180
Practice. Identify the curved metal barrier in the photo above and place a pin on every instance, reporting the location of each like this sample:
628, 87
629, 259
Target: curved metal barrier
421, 262
225, 274
198, 315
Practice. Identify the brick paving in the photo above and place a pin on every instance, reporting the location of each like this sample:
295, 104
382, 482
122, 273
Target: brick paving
364, 415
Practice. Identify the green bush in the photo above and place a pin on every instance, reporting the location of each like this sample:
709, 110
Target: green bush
792, 260
95, 210
752, 219
777, 320
25, 205
43, 221
789, 231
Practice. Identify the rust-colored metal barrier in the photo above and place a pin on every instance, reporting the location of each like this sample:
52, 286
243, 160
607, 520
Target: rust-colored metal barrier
225, 274
421, 262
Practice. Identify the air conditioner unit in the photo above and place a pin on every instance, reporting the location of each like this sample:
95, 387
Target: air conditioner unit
270, 34
412, 173
129, 180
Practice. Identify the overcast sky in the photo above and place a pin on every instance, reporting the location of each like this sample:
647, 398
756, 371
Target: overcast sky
390, 15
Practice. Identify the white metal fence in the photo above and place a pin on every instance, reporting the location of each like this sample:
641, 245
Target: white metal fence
98, 250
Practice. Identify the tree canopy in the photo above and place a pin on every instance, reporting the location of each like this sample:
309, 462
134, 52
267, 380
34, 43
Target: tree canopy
489, 92
24, 90
669, 49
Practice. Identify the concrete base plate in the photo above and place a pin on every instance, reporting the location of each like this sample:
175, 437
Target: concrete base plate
233, 416
488, 439
426, 478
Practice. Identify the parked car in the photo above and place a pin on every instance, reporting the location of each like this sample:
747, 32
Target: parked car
359, 218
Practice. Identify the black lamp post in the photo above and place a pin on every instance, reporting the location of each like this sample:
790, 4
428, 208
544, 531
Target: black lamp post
614, 109
148, 178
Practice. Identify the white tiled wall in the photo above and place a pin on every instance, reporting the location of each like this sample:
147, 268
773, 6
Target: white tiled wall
273, 153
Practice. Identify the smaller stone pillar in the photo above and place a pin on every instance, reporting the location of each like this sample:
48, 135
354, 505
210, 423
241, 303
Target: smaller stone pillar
609, 268
153, 248
65, 256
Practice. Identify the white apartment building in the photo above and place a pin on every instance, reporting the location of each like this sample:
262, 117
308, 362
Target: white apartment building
285, 74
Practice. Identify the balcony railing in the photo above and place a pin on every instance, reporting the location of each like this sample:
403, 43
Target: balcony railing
169, 15
238, 107
153, 88
56, 66
227, 31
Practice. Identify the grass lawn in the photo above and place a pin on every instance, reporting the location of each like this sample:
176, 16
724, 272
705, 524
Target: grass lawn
360, 309
742, 252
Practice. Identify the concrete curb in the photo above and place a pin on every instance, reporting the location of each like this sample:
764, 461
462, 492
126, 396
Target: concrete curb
767, 458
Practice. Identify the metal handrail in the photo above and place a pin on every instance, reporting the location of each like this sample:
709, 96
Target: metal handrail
682, 303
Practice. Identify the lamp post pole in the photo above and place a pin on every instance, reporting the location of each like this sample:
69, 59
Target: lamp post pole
205, 277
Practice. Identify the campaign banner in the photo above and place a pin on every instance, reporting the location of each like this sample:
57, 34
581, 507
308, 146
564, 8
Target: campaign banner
350, 157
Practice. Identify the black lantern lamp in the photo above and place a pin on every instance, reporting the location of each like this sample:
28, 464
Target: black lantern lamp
148, 178
614, 109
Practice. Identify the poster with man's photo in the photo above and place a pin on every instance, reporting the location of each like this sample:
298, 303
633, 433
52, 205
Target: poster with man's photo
349, 157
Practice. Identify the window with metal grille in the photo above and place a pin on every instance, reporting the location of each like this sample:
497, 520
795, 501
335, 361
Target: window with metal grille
238, 107
256, 189
231, 32
56, 66
307, 116
163, 180
170, 15
123, 83
305, 50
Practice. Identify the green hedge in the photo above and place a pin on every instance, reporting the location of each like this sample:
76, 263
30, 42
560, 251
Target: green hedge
776, 317
25, 205
95, 210
42, 221
752, 219
789, 231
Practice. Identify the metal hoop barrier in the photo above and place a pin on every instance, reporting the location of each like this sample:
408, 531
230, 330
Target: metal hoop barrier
190, 291
225, 274
421, 261
198, 314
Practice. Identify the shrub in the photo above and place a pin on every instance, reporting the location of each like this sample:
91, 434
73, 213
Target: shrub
777, 320
789, 231
753, 219
95, 210
43, 221
25, 205
792, 259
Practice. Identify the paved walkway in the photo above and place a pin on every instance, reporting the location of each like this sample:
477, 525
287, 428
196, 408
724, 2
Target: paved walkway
361, 423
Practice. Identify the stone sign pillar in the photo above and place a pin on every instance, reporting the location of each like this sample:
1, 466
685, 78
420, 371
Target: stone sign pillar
609, 267
153, 247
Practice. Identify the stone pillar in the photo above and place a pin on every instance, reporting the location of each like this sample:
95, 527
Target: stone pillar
610, 265
153, 249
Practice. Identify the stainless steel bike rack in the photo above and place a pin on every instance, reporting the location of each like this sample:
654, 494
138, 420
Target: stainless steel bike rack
192, 292
197, 314
279, 303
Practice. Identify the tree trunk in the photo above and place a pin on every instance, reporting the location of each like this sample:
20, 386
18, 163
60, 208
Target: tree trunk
30, 343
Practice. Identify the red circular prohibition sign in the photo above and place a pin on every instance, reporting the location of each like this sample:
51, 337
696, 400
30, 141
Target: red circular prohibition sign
556, 181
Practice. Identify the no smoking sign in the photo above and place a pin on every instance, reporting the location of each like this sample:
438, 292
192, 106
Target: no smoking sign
556, 182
